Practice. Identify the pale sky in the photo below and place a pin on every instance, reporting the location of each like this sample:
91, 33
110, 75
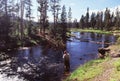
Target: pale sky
79, 6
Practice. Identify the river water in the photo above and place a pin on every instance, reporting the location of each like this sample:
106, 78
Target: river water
39, 63
83, 47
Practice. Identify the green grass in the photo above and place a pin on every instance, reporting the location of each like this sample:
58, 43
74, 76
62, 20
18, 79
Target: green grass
115, 76
90, 30
88, 71
117, 65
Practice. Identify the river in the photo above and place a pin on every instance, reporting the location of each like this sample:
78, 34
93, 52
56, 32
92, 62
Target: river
40, 64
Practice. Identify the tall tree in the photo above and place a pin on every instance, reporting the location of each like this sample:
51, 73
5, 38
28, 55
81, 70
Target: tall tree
22, 7
55, 6
69, 17
64, 22
28, 15
107, 19
82, 22
43, 6
64, 15
117, 23
87, 18
93, 20
101, 21
13, 9
75, 23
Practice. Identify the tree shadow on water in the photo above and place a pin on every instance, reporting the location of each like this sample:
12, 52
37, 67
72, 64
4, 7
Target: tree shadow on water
30, 68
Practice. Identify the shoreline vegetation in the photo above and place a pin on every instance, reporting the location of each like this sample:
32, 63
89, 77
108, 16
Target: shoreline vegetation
36, 40
96, 70
115, 32
107, 69
88, 70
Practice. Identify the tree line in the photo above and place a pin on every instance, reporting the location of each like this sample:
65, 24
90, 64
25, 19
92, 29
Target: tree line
106, 20
17, 27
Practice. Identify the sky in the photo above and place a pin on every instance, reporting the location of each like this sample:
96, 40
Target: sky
79, 7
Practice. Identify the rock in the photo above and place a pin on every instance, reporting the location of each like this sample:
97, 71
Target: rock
81, 58
102, 52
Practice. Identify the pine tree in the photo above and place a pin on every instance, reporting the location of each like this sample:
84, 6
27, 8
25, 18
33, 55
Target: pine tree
82, 22
93, 20
112, 20
69, 17
55, 7
63, 15
87, 18
64, 23
28, 15
43, 7
101, 21
75, 23
22, 7
107, 19
117, 23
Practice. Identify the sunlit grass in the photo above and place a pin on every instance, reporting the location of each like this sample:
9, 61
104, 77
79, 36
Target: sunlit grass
90, 30
115, 47
115, 76
88, 71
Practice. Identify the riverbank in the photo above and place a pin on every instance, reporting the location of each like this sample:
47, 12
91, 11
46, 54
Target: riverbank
26, 43
115, 32
107, 69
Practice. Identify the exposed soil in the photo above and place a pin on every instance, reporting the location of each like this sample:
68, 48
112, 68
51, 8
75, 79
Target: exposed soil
108, 66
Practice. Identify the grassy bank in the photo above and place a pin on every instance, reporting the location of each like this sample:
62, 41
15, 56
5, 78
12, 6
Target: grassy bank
88, 71
90, 30
107, 69
97, 70
115, 76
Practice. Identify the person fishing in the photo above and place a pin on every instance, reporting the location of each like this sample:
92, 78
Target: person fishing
66, 59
